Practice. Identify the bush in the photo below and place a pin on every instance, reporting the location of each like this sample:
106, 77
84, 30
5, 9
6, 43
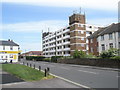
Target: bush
55, 58
36, 58
90, 56
109, 53
79, 54
116, 57
47, 59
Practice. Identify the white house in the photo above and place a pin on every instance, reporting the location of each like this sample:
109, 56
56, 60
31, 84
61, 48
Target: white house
109, 38
8, 51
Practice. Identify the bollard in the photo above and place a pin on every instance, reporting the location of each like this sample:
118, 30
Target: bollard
30, 65
23, 63
39, 68
48, 70
34, 66
27, 64
45, 72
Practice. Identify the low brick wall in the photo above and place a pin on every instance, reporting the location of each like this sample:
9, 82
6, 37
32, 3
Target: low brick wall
111, 63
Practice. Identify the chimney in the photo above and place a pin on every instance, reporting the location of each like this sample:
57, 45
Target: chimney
8, 39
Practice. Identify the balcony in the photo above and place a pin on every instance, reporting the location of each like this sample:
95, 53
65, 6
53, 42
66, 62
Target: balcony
67, 36
67, 30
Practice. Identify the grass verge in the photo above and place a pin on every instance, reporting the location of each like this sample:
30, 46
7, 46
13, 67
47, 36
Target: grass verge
24, 72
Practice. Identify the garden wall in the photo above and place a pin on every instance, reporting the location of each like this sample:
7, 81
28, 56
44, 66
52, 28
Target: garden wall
112, 63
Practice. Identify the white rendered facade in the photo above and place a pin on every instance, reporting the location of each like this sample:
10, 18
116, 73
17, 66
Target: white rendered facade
8, 53
58, 43
107, 42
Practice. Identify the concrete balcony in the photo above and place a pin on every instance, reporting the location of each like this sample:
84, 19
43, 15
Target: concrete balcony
67, 36
67, 30
66, 49
68, 42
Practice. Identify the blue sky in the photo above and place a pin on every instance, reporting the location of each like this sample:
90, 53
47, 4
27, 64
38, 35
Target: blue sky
23, 21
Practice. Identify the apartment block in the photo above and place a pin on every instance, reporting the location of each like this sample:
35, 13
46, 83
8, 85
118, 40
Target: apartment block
104, 39
66, 40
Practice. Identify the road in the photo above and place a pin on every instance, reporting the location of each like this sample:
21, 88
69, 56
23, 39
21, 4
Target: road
89, 77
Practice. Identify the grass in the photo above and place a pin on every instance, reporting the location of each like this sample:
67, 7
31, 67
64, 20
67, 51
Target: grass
24, 72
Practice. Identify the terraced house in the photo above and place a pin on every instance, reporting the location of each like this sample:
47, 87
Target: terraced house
104, 39
9, 50
66, 40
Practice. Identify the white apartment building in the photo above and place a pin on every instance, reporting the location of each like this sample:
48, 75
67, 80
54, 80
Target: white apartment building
8, 51
62, 43
109, 38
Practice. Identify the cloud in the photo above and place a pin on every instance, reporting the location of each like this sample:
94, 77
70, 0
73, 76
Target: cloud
102, 21
53, 25
25, 47
95, 4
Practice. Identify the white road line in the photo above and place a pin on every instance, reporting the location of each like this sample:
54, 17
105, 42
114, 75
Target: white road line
9, 84
83, 86
65, 68
87, 72
117, 76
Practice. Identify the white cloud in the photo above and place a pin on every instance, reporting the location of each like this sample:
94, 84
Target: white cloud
53, 25
95, 4
102, 21
25, 47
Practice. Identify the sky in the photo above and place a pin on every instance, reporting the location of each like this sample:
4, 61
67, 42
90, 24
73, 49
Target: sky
23, 20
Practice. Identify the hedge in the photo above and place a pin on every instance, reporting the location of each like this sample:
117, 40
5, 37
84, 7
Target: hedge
36, 58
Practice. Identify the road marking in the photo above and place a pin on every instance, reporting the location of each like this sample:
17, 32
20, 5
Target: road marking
9, 84
83, 86
118, 76
65, 68
87, 71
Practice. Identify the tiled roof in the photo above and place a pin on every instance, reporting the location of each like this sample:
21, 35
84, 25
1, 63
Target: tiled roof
8, 43
107, 30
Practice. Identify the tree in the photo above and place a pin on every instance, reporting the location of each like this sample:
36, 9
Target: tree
79, 54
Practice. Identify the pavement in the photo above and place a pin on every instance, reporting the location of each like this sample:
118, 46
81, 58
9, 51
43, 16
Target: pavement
83, 76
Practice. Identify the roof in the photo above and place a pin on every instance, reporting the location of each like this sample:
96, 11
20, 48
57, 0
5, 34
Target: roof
8, 43
95, 34
35, 52
106, 30
110, 29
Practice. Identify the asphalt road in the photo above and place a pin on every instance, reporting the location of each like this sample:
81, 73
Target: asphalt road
93, 78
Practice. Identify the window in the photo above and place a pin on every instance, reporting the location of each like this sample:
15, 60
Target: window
110, 36
102, 37
3, 47
119, 45
82, 38
1, 56
82, 32
91, 49
11, 56
119, 34
79, 31
82, 45
111, 45
97, 49
103, 47
91, 40
11, 47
